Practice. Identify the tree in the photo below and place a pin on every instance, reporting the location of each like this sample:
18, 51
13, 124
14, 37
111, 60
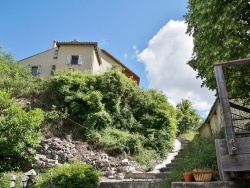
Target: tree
19, 128
187, 117
19, 132
15, 77
221, 33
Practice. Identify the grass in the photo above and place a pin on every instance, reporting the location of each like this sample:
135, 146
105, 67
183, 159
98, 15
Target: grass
189, 135
199, 154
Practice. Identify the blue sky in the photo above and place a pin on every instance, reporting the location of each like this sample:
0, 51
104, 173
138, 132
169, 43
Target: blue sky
145, 35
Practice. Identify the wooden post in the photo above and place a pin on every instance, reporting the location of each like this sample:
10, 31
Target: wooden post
224, 176
226, 112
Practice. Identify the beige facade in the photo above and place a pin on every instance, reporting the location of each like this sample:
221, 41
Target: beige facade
83, 56
213, 123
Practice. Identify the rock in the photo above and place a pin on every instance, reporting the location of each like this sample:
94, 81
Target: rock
110, 173
12, 184
120, 176
56, 151
41, 157
131, 169
125, 162
124, 169
105, 163
25, 178
32, 172
111, 177
13, 177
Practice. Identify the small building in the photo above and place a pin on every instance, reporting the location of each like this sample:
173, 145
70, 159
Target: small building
82, 56
213, 123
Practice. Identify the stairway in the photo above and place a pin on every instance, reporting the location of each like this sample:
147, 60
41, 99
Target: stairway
150, 179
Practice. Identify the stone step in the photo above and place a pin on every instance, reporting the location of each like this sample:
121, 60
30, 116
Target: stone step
148, 175
137, 183
170, 164
166, 169
185, 141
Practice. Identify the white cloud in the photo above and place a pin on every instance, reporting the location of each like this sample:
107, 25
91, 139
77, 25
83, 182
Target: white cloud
165, 61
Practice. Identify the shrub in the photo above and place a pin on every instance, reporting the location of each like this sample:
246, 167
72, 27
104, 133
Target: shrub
75, 175
5, 179
113, 109
19, 133
18, 79
116, 141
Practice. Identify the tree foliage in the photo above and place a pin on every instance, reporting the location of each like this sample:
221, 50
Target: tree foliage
111, 100
19, 128
16, 78
19, 132
221, 33
187, 117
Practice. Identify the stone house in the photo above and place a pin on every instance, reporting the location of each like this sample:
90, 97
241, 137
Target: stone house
83, 56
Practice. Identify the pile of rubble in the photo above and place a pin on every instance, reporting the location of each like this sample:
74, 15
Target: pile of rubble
54, 151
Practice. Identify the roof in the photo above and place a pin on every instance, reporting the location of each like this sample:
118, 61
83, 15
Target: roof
75, 42
126, 70
211, 113
34, 55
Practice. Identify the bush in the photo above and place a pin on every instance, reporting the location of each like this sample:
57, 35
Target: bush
200, 153
18, 79
75, 175
117, 141
5, 179
113, 109
19, 133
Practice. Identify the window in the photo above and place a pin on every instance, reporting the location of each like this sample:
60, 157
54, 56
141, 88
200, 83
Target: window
55, 54
35, 70
74, 59
53, 68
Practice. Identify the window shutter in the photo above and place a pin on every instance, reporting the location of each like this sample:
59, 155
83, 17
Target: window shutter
68, 60
39, 69
55, 54
80, 60
29, 67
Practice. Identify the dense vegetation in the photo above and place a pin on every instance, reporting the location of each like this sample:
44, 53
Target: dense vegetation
114, 112
75, 175
19, 132
221, 33
19, 128
109, 110
199, 154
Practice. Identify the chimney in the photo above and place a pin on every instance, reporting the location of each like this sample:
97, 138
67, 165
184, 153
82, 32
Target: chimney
54, 44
